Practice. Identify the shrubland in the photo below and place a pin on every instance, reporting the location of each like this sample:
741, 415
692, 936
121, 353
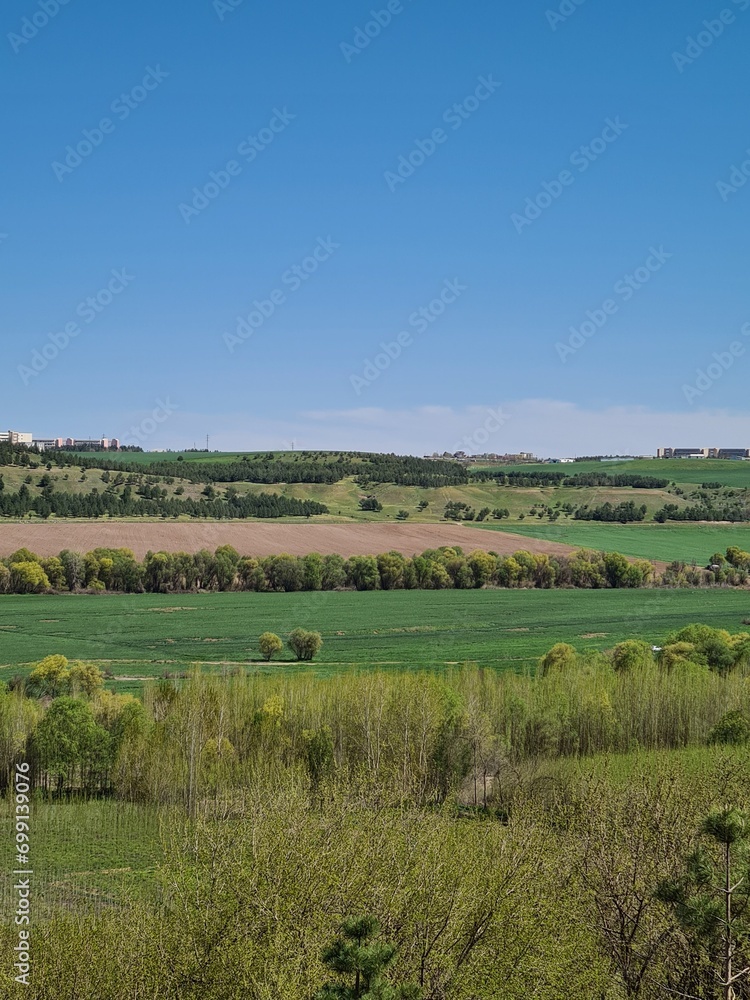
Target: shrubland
492, 835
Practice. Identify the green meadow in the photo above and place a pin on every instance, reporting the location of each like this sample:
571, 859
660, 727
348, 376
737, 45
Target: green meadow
678, 470
684, 540
142, 635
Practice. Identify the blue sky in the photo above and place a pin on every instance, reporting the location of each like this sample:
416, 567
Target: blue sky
630, 126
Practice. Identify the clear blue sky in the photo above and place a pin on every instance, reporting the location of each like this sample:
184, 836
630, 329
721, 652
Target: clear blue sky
233, 71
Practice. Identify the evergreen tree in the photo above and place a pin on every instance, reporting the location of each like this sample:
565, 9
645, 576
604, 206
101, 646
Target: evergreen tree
354, 955
710, 902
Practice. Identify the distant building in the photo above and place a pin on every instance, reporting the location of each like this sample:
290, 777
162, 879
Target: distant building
15, 437
77, 444
47, 444
726, 453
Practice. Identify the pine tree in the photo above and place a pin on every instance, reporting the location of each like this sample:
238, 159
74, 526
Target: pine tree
711, 901
354, 954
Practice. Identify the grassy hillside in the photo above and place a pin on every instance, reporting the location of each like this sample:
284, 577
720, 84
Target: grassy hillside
529, 507
137, 636
342, 498
150, 457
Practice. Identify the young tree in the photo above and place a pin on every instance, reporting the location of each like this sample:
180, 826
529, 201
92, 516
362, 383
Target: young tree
51, 676
710, 901
269, 645
355, 954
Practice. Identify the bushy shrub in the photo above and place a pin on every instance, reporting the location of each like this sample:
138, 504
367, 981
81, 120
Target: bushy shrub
305, 645
732, 729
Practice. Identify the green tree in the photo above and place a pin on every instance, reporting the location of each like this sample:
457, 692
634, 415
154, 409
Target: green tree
305, 645
313, 571
562, 657
70, 746
370, 503
85, 678
363, 961
710, 901
51, 676
28, 578
732, 729
631, 655
269, 645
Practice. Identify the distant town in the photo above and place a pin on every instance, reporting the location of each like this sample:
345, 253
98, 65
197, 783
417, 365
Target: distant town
735, 454
518, 458
59, 444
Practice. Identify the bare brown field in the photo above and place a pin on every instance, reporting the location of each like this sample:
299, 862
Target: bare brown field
252, 538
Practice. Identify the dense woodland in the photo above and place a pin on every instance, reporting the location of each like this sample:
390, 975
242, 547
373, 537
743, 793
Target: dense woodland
470, 814
445, 568
552, 478
152, 502
302, 467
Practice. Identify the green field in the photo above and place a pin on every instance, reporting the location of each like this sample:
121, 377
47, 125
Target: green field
677, 540
88, 854
692, 471
136, 636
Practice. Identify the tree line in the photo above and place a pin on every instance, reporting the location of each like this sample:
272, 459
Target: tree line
729, 510
368, 467
117, 570
155, 504
624, 513
549, 477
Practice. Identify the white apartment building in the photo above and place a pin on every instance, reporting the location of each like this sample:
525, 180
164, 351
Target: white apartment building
16, 437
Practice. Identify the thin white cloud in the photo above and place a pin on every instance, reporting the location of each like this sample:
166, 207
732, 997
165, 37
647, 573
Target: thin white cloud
545, 427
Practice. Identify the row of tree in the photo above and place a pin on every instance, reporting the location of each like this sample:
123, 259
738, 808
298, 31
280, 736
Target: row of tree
625, 512
368, 467
119, 571
730, 510
549, 477
435, 569
152, 503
